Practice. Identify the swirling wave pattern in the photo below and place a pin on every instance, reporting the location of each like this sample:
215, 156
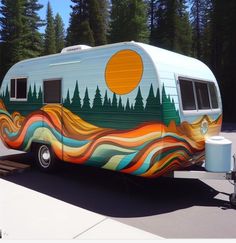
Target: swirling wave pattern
150, 150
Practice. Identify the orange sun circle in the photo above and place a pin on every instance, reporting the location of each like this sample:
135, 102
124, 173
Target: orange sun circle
124, 71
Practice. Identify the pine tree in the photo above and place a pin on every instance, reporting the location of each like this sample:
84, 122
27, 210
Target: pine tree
97, 21
200, 20
50, 36
59, 32
76, 100
66, 102
11, 31
171, 28
128, 21
97, 102
138, 106
32, 37
40, 96
151, 101
120, 106
127, 107
114, 103
106, 105
30, 95
34, 96
86, 101
169, 112
79, 30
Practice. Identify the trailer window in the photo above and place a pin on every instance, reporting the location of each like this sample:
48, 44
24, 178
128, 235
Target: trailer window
202, 96
198, 95
187, 94
214, 101
18, 88
52, 91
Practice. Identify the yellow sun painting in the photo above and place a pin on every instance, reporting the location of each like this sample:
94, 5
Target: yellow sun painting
124, 71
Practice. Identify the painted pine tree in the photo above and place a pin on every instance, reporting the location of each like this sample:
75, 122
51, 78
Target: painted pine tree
76, 100
34, 95
127, 107
114, 103
120, 106
106, 105
169, 112
40, 96
66, 102
138, 106
30, 95
86, 101
97, 102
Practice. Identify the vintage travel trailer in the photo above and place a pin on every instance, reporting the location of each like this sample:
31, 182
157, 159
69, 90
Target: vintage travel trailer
127, 107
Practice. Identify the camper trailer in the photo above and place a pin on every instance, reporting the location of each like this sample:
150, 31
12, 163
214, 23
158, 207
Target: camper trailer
128, 107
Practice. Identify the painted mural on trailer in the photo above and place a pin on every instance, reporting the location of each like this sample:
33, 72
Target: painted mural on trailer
113, 115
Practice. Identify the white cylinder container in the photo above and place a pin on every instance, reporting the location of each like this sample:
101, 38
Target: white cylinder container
218, 154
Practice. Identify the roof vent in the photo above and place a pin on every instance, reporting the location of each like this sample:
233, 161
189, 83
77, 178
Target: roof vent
75, 48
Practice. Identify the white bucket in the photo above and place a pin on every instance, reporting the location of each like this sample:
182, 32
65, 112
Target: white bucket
218, 154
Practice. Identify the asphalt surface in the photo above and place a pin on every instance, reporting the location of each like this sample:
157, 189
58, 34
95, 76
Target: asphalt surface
169, 208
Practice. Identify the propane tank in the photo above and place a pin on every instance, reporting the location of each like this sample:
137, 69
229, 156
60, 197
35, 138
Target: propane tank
218, 154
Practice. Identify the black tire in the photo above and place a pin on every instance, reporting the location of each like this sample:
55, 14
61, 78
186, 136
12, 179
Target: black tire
45, 158
232, 199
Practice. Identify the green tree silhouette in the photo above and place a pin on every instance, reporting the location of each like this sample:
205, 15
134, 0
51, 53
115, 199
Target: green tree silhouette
169, 112
40, 96
67, 100
120, 106
139, 107
7, 96
106, 104
30, 95
86, 101
34, 96
97, 102
151, 101
127, 107
114, 102
76, 101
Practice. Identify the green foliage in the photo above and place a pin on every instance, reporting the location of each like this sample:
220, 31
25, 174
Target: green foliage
169, 112
170, 26
66, 102
20, 38
139, 107
97, 22
128, 21
59, 32
114, 102
11, 31
76, 100
86, 101
32, 23
40, 96
87, 23
106, 104
97, 102
50, 35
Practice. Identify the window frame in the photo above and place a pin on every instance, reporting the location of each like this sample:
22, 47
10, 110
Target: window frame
198, 111
15, 98
50, 80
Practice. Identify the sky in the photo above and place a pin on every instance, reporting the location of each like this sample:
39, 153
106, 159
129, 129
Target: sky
58, 6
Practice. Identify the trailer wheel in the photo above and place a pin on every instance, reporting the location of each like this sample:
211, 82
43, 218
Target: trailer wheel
45, 158
232, 199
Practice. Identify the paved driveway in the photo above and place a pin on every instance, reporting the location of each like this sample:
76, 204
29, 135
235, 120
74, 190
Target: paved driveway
89, 203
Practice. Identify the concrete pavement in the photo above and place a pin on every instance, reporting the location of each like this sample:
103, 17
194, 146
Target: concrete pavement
87, 203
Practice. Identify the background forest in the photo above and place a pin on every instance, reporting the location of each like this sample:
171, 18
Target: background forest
204, 29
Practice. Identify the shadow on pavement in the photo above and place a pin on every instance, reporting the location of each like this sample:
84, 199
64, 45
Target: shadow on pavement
115, 194
228, 127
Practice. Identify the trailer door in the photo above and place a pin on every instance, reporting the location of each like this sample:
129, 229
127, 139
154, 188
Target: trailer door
52, 95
